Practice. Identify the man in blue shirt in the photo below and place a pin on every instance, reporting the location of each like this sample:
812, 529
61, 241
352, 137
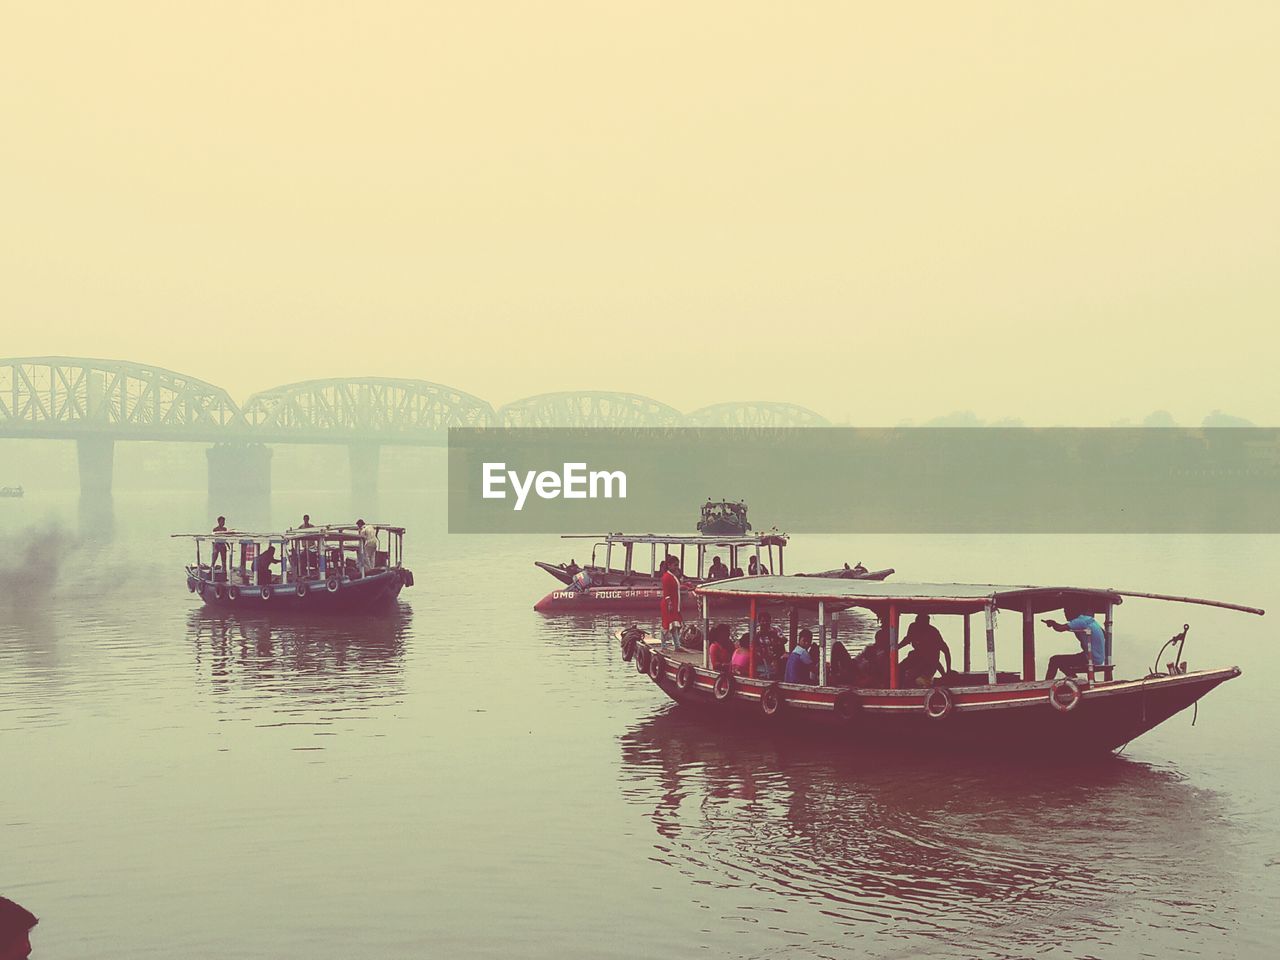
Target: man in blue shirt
1093, 644
800, 661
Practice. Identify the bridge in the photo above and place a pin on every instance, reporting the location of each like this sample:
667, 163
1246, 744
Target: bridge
98, 402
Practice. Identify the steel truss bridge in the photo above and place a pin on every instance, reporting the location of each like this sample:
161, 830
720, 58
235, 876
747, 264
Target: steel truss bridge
97, 402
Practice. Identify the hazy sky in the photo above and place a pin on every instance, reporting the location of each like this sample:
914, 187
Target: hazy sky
1067, 212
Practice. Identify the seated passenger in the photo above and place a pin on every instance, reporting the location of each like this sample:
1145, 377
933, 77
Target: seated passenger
756, 569
741, 661
1093, 644
718, 570
871, 665
735, 573
841, 664
800, 663
925, 659
721, 652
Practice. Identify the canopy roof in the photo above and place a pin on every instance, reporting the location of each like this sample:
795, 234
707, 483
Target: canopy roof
771, 538
929, 597
330, 531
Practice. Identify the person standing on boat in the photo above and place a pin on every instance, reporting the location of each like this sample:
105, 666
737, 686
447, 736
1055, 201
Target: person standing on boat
1093, 644
367, 548
306, 523
263, 565
671, 618
16, 924
219, 546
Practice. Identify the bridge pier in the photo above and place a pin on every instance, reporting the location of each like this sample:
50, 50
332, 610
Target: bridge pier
364, 459
238, 472
96, 457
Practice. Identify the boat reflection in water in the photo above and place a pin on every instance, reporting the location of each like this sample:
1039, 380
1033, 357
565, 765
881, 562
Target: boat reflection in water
334, 662
899, 856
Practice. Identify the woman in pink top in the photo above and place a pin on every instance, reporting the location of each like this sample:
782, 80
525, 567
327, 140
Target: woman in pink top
742, 658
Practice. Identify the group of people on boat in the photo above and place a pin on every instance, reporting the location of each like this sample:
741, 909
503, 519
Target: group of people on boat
304, 561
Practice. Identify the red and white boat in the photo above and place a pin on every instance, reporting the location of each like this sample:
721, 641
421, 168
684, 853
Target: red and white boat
623, 574
983, 710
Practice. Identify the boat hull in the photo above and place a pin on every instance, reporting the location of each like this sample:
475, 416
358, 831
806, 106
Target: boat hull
357, 594
1006, 718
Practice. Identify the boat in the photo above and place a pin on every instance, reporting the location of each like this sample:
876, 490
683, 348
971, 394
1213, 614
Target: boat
333, 567
976, 710
12, 491
724, 518
620, 577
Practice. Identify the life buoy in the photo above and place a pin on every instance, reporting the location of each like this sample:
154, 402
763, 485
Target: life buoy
628, 649
642, 659
331, 584
265, 593
686, 677
233, 592
657, 666
771, 700
300, 590
939, 703
1064, 686
848, 705
723, 689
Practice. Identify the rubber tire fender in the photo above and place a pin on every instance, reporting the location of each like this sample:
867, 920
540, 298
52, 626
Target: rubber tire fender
686, 677
723, 690
642, 659
771, 700
657, 666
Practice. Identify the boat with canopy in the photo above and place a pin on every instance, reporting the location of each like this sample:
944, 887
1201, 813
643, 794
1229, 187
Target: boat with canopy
975, 708
624, 572
344, 566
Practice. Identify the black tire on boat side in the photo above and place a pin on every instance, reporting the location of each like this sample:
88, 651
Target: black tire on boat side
628, 649
300, 590
939, 703
265, 593
642, 659
723, 689
686, 677
657, 666
771, 700
332, 585
848, 705
233, 592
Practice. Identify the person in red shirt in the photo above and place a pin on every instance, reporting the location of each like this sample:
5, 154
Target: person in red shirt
670, 594
15, 930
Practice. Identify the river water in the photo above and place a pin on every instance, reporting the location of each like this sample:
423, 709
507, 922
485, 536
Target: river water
464, 777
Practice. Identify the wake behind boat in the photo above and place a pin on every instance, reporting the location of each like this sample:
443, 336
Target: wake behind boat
322, 568
874, 699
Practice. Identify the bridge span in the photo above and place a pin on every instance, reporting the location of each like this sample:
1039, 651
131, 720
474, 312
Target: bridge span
96, 402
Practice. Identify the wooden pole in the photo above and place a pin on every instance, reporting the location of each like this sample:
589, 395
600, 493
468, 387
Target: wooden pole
967, 666
1107, 625
991, 644
706, 634
822, 643
893, 647
751, 641
1028, 644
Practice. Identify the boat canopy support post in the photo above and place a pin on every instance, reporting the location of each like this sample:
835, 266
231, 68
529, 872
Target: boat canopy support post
751, 641
991, 643
1107, 625
893, 646
1028, 644
822, 643
967, 635
793, 623
706, 633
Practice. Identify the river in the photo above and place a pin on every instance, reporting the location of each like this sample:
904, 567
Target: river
464, 777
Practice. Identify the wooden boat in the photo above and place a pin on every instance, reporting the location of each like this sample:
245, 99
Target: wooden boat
985, 710
724, 518
622, 578
321, 568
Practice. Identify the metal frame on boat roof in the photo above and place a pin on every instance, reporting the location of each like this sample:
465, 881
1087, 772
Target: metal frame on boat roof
292, 533
944, 597
737, 540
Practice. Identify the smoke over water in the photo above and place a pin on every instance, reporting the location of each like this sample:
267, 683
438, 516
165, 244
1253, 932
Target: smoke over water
32, 559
